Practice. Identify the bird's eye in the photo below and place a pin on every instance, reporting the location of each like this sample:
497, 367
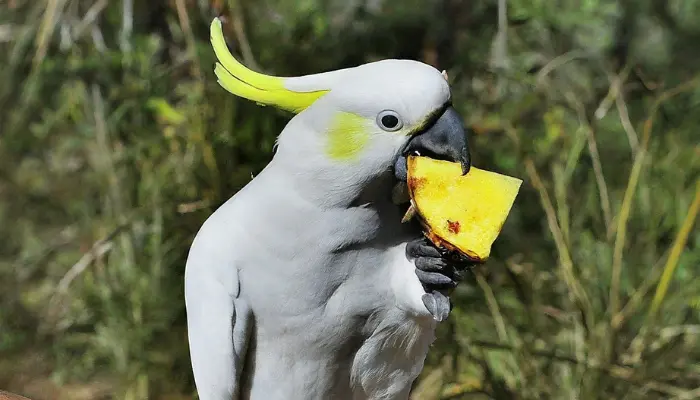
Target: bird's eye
389, 121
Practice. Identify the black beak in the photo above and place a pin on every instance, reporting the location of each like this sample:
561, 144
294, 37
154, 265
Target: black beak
444, 139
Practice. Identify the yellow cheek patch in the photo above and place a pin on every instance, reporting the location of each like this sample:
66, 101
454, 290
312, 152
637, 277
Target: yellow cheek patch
347, 136
263, 89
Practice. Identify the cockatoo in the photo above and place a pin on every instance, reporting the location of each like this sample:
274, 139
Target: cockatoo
306, 284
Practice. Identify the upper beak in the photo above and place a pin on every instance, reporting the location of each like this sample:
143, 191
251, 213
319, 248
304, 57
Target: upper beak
445, 139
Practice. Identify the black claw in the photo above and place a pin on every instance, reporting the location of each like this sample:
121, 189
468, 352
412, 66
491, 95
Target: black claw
443, 303
428, 264
438, 305
435, 279
431, 304
436, 270
422, 248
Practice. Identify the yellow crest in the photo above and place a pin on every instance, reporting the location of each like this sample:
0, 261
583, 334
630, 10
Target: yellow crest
263, 89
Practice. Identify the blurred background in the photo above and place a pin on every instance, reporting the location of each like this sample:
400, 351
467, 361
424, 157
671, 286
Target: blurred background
116, 143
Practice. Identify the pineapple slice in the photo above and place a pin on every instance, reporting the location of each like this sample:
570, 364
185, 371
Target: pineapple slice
460, 213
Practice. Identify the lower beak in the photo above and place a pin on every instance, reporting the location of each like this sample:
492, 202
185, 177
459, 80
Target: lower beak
445, 139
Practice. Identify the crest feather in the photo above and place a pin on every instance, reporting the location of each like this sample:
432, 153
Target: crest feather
243, 82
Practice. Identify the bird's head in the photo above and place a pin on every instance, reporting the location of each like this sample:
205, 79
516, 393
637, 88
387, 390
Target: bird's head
359, 122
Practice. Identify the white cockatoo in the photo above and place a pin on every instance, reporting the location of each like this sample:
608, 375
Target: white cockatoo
306, 284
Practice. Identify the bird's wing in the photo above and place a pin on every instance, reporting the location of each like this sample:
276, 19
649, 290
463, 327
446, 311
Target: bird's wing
217, 320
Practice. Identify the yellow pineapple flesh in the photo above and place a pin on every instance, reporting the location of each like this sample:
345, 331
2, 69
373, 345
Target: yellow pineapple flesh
460, 213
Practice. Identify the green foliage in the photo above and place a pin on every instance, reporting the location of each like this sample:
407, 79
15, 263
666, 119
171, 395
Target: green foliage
116, 145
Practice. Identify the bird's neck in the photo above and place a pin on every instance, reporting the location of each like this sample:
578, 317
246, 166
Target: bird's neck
330, 186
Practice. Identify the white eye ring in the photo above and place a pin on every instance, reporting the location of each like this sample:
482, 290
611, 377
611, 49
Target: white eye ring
389, 121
